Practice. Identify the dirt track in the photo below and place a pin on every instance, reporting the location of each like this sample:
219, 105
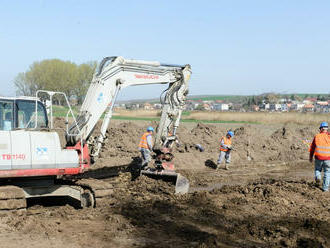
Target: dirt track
266, 199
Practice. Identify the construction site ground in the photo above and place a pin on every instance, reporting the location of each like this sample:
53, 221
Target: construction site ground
266, 199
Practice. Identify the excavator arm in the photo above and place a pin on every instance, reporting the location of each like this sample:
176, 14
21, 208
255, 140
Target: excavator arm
116, 73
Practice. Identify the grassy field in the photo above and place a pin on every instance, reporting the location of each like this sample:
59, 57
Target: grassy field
216, 117
231, 117
263, 117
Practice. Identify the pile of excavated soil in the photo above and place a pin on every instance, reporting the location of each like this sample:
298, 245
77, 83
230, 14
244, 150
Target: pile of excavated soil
260, 202
252, 143
145, 213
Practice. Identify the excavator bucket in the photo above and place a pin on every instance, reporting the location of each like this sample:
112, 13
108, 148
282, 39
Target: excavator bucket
181, 185
181, 182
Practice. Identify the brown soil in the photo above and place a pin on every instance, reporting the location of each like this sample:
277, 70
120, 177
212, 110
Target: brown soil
266, 199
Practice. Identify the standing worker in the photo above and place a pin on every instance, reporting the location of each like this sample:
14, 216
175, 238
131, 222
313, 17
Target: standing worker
225, 149
320, 148
145, 147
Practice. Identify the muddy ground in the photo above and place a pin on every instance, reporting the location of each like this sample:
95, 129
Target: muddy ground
266, 199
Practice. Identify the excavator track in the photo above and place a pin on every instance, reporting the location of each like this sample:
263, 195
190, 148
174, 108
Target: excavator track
12, 198
89, 192
98, 188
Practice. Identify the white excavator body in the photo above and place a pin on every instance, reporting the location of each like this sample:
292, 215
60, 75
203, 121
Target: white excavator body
31, 149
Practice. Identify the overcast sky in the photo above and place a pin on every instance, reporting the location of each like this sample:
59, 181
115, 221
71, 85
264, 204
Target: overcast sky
234, 47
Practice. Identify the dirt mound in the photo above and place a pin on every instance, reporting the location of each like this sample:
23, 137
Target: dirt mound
259, 202
252, 143
144, 213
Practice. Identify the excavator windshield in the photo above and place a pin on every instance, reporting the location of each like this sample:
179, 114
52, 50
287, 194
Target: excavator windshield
6, 115
21, 113
26, 114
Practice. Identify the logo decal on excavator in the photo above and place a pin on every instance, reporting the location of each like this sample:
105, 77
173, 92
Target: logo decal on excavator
100, 98
41, 151
145, 76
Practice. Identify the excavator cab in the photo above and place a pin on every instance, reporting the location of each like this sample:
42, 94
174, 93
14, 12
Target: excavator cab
21, 113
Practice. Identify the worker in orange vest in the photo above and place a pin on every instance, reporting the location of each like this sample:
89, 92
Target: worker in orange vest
145, 147
225, 149
320, 148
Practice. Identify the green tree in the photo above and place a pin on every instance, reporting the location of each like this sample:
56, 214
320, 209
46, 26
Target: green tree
271, 98
56, 75
85, 76
23, 85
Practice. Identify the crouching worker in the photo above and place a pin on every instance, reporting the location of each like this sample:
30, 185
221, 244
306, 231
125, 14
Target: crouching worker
145, 147
225, 149
320, 148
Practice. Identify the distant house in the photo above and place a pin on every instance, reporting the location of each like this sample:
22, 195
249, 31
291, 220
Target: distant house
311, 99
322, 103
297, 106
322, 106
308, 108
284, 107
221, 107
206, 106
147, 106
254, 108
157, 106
119, 106
132, 106
192, 105
264, 106
275, 107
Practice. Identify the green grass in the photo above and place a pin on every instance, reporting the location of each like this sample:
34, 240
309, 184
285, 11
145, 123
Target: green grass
186, 113
61, 111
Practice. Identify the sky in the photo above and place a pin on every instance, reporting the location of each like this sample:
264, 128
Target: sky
234, 47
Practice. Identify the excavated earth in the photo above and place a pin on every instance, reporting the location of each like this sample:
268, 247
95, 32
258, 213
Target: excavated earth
266, 199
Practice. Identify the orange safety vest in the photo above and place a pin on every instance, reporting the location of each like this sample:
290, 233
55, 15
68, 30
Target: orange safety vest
143, 142
227, 142
322, 145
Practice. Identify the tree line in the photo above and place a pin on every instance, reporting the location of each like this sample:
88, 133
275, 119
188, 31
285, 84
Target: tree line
56, 75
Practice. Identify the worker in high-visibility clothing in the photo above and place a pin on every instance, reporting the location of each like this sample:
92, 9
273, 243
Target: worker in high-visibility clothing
320, 148
225, 149
145, 147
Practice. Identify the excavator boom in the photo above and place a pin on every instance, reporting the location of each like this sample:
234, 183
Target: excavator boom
116, 73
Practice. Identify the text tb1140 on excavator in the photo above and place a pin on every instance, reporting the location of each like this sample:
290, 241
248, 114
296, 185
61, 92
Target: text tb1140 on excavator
32, 162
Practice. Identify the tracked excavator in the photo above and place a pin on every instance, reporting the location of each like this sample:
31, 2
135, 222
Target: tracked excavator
32, 161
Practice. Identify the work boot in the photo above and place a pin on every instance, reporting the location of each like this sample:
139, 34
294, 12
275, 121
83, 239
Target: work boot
226, 167
317, 182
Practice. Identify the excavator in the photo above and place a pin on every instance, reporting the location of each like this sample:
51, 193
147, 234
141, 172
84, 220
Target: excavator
33, 163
